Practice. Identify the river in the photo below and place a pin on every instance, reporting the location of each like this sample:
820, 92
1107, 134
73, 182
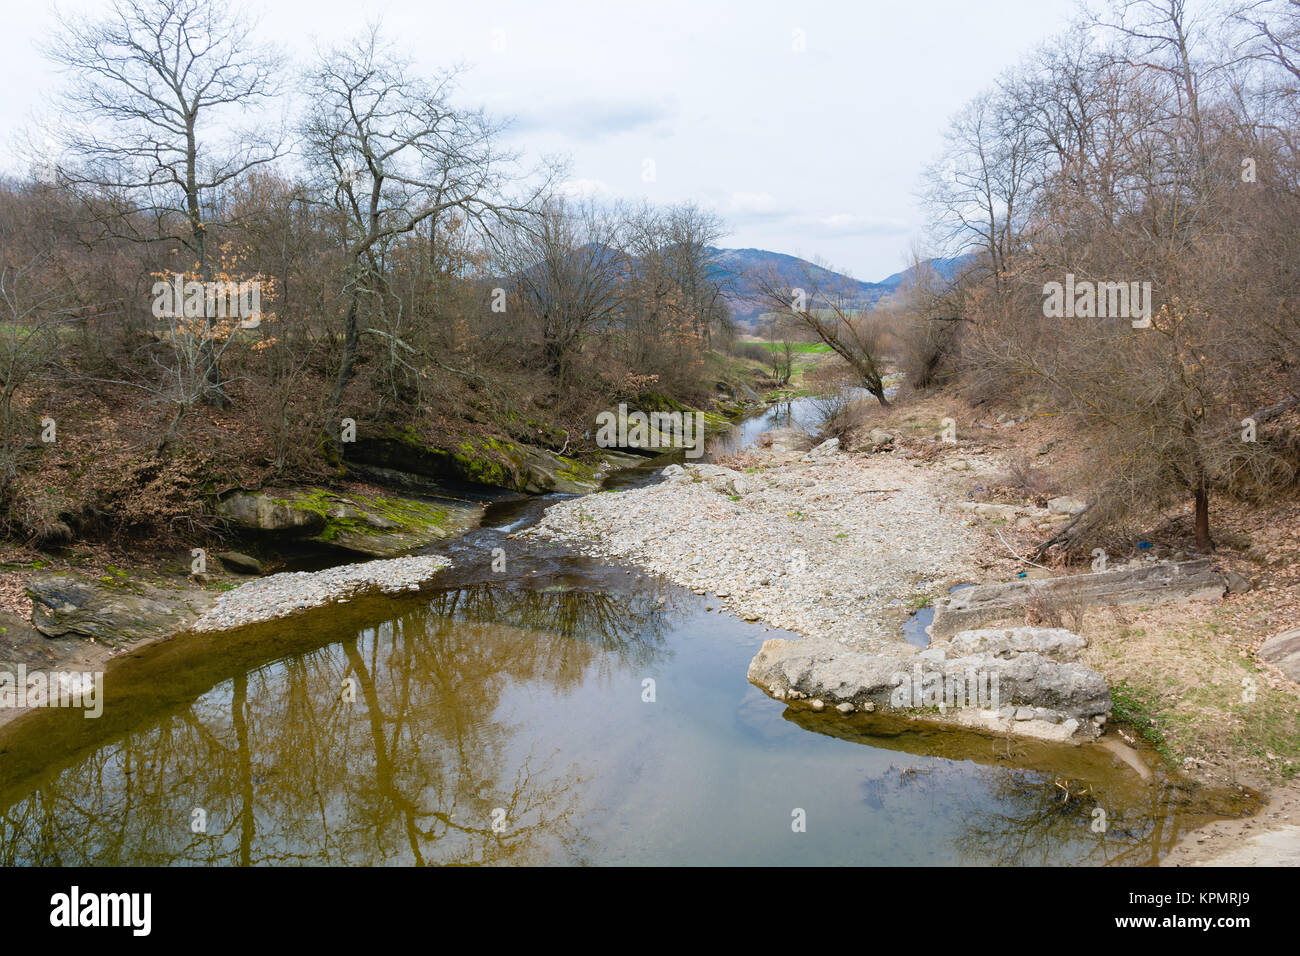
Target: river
554, 711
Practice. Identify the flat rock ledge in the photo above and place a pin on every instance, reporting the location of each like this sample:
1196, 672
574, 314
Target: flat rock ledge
1149, 585
281, 595
67, 604
1023, 681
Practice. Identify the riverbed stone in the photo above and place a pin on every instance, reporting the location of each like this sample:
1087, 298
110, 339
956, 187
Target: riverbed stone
880, 440
239, 562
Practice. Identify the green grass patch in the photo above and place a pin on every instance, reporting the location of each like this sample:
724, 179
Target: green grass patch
1138, 708
799, 348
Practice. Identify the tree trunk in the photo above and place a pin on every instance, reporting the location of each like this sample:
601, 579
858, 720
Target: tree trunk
1203, 540
351, 340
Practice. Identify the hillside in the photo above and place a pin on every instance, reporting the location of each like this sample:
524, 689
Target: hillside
745, 265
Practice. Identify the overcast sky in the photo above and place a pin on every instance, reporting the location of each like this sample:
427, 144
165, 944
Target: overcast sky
813, 152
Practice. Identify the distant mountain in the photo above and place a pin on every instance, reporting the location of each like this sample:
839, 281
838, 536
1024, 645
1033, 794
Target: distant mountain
946, 268
744, 264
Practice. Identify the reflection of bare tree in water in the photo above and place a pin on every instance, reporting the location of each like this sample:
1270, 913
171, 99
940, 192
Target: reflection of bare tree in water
631, 628
287, 771
1045, 820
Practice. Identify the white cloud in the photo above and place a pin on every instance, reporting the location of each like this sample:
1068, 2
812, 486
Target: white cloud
584, 188
750, 202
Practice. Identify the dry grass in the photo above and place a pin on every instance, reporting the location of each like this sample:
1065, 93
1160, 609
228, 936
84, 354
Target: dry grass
1051, 610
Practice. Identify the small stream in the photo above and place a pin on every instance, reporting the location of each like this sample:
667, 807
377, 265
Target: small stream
559, 711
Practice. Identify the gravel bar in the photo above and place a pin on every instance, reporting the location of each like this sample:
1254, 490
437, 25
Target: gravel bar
832, 548
280, 595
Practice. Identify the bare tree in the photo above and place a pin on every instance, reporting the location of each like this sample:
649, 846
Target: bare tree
152, 82
977, 188
391, 153
567, 269
820, 302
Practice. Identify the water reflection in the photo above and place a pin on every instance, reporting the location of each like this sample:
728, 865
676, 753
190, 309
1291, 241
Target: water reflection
506, 723
1086, 811
279, 767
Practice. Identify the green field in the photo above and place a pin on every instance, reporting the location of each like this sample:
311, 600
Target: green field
801, 348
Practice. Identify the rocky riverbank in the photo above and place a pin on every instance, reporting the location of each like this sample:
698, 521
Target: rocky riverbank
838, 547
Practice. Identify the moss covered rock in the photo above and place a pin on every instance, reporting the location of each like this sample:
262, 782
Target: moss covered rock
379, 526
489, 461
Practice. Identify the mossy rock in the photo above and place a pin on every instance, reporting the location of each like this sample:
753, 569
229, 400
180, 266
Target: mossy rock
489, 461
379, 526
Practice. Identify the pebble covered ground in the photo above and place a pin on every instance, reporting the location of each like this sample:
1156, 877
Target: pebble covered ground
280, 595
831, 548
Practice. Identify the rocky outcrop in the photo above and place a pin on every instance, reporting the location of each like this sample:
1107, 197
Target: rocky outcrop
1283, 652
502, 464
1149, 584
1024, 681
67, 604
367, 524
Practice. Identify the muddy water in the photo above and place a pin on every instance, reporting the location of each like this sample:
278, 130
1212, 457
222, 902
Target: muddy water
559, 711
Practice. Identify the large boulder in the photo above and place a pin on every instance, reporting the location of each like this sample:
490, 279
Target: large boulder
270, 511
379, 526
827, 449
1019, 681
1054, 642
880, 440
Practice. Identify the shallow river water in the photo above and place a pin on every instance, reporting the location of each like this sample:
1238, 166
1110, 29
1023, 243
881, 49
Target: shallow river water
559, 711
